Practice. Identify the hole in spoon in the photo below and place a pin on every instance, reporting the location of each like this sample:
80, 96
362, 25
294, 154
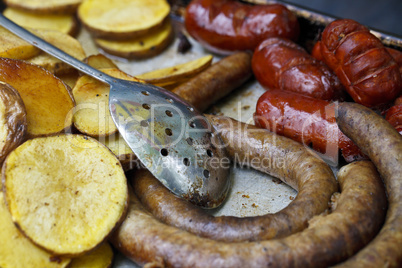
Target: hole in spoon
146, 93
169, 113
190, 141
191, 109
206, 173
168, 132
210, 153
146, 106
192, 124
164, 152
186, 162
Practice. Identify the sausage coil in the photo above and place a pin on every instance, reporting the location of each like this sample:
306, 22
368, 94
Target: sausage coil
278, 156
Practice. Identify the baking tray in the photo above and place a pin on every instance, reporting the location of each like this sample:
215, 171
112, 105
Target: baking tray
252, 192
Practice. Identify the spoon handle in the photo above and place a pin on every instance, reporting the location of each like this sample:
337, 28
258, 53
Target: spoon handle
54, 51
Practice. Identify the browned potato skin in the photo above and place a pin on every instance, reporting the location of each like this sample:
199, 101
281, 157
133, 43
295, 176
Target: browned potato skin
15, 119
296, 166
383, 144
143, 54
328, 240
65, 9
217, 81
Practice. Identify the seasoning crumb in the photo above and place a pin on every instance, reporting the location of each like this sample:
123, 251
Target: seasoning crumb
277, 181
246, 107
254, 205
291, 198
245, 196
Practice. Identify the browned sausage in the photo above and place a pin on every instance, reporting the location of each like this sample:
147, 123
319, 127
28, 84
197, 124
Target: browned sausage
394, 117
316, 51
217, 81
358, 215
282, 64
368, 72
278, 156
307, 120
226, 25
383, 144
395, 54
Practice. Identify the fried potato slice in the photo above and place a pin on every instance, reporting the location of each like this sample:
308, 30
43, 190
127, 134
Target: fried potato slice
13, 122
64, 23
11, 46
123, 19
18, 251
91, 115
47, 99
45, 6
66, 193
100, 61
178, 73
68, 44
140, 47
101, 257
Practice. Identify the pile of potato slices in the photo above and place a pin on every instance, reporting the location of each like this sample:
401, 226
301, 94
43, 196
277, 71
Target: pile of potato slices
63, 185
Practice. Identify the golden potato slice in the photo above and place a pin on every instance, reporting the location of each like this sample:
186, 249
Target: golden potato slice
140, 47
18, 251
68, 44
45, 6
120, 148
66, 193
47, 99
100, 61
64, 23
13, 122
91, 115
177, 73
11, 46
123, 19
101, 257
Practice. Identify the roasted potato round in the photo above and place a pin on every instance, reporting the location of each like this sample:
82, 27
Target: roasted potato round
66, 193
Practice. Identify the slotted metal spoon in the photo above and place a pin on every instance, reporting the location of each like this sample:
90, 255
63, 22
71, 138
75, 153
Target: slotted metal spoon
169, 136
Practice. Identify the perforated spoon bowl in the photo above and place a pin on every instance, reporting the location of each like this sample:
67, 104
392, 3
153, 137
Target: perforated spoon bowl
169, 136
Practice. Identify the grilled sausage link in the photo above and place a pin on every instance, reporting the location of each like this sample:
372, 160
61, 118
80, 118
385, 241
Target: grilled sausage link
383, 144
306, 120
358, 214
217, 81
225, 26
366, 69
282, 64
272, 154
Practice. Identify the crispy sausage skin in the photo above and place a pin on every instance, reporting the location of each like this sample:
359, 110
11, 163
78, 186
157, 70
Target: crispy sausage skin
366, 69
276, 155
217, 81
306, 120
225, 25
383, 144
395, 54
358, 214
282, 64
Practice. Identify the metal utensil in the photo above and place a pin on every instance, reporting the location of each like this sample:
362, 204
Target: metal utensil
169, 136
